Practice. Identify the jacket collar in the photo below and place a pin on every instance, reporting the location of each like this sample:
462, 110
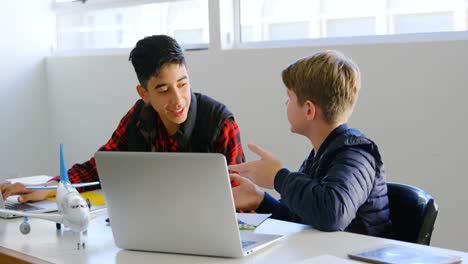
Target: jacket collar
328, 140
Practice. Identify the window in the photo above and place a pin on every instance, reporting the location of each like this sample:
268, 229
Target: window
265, 20
270, 20
110, 24
413, 23
350, 27
107, 25
293, 30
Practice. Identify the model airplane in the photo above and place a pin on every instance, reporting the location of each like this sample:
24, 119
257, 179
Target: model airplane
73, 210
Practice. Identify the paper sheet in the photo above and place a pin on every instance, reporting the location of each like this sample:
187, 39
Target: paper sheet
38, 179
4, 181
252, 219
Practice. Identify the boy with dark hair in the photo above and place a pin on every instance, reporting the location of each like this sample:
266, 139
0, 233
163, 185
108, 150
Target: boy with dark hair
341, 185
169, 117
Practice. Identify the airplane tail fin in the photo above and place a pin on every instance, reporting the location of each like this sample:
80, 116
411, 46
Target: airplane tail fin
63, 178
63, 169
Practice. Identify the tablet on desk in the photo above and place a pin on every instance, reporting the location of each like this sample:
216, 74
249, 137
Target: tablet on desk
397, 254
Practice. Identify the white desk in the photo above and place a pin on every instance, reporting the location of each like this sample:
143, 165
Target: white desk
46, 243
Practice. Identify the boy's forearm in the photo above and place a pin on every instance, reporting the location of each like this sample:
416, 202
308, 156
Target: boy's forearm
52, 193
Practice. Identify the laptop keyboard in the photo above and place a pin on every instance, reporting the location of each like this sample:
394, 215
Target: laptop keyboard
21, 206
246, 243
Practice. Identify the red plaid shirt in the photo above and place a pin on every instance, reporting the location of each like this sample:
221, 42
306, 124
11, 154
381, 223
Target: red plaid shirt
228, 144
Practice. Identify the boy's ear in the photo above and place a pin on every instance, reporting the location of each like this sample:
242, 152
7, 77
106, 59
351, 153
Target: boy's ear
310, 110
143, 93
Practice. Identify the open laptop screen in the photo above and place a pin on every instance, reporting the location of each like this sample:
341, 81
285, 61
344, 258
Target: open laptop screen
171, 202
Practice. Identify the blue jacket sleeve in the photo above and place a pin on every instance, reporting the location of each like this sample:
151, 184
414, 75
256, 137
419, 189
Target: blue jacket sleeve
329, 203
279, 211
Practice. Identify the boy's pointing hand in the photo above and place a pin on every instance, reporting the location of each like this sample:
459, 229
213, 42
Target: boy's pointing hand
263, 171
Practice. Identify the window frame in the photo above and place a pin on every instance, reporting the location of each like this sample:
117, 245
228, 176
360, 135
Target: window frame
225, 30
345, 40
94, 5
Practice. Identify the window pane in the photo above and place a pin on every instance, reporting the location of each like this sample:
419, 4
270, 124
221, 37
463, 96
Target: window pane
350, 27
421, 5
247, 34
187, 21
265, 20
423, 23
466, 14
294, 30
276, 19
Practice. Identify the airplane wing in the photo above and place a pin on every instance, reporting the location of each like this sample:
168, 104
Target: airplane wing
45, 216
54, 187
95, 213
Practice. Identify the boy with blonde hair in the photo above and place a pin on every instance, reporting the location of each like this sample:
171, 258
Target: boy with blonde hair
341, 185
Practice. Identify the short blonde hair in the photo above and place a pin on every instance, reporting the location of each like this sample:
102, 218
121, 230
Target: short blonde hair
328, 79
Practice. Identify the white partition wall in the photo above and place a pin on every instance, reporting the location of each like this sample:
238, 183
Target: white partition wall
26, 29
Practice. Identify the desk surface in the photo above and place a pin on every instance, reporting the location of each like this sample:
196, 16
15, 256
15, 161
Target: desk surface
302, 242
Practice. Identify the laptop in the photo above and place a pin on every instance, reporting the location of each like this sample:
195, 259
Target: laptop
174, 202
11, 203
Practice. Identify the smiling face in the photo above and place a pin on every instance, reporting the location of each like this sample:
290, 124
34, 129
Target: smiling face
169, 93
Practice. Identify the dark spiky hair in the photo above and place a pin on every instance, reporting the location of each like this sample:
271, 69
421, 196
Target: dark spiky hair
152, 53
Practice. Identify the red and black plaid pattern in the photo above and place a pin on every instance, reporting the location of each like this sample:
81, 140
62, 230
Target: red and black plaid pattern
228, 144
164, 142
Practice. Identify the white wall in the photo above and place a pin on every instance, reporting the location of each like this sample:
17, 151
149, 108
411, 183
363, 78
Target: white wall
26, 33
88, 97
411, 103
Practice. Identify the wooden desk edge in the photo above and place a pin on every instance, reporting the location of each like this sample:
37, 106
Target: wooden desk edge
8, 256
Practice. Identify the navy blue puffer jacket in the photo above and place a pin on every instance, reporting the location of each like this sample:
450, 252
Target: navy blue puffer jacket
341, 188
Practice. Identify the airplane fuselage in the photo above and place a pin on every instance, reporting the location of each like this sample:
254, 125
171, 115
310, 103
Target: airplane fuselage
72, 207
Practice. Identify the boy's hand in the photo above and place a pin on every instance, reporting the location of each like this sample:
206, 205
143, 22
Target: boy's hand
247, 195
262, 171
25, 194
